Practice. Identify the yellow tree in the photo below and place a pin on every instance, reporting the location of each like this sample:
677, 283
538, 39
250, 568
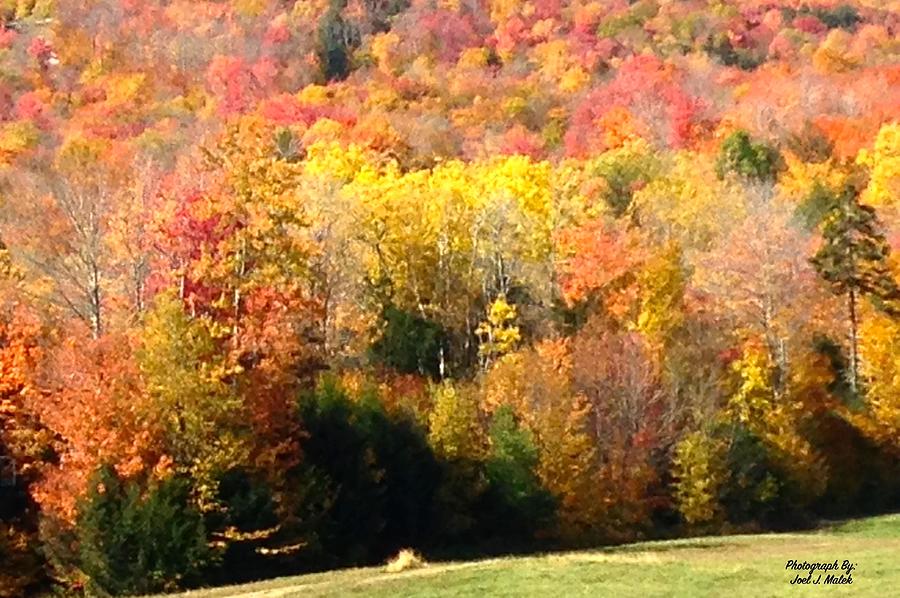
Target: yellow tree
186, 380
498, 333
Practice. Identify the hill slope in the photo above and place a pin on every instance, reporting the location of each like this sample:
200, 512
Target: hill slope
711, 566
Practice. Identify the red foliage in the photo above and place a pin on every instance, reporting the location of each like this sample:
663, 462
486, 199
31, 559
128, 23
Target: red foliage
809, 24
40, 49
597, 255
448, 33
650, 90
521, 141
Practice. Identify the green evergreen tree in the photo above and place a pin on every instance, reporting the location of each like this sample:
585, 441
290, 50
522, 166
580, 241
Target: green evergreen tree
337, 39
512, 461
137, 541
750, 160
853, 261
409, 343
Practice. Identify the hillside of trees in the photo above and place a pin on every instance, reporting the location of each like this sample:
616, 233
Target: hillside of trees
292, 285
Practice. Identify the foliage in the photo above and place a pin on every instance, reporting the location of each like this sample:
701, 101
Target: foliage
746, 158
376, 474
409, 343
586, 272
511, 470
188, 384
499, 333
134, 540
700, 471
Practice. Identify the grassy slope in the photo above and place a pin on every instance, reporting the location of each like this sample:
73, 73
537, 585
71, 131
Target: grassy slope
713, 566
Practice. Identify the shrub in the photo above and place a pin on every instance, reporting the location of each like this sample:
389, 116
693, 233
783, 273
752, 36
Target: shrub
405, 560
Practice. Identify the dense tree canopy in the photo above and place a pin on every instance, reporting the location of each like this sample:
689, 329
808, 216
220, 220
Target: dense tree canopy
297, 284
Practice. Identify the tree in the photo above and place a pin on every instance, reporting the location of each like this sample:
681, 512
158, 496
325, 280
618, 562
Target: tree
499, 333
748, 159
410, 344
89, 396
24, 447
511, 470
337, 38
367, 481
699, 470
187, 386
853, 261
758, 277
133, 540
454, 430
70, 203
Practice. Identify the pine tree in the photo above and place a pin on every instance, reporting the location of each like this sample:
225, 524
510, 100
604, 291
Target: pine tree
134, 540
853, 261
337, 39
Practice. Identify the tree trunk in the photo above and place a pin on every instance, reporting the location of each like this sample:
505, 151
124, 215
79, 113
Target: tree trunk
95, 302
854, 352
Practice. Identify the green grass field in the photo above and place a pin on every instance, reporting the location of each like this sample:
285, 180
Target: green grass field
736, 566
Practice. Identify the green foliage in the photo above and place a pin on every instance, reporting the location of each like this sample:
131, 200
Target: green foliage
639, 13
844, 16
755, 490
336, 41
816, 206
136, 540
409, 343
719, 46
741, 156
526, 506
839, 370
624, 170
853, 257
375, 474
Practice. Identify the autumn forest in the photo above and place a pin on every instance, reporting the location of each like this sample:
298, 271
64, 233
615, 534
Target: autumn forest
288, 286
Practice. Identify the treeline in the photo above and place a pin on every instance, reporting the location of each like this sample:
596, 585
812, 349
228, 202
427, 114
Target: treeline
327, 358
287, 286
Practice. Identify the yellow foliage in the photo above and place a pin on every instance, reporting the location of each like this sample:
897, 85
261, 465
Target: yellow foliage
880, 365
499, 333
574, 79
453, 429
700, 470
834, 55
661, 284
316, 95
883, 161
384, 50
250, 8
503, 10
15, 138
775, 418
473, 58
330, 160
800, 177
690, 204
